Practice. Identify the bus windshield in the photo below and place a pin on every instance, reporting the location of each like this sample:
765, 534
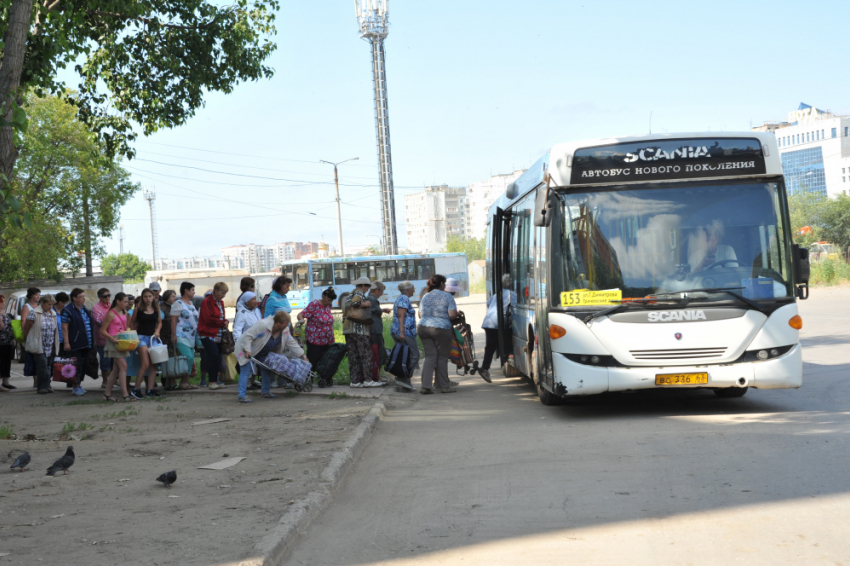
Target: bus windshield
670, 239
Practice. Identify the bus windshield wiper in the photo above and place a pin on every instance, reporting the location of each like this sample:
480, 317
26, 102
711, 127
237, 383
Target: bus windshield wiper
728, 290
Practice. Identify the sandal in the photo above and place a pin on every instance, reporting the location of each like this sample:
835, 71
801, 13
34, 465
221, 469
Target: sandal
128, 398
110, 398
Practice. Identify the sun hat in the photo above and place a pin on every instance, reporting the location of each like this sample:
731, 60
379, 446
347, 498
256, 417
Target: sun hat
155, 286
361, 281
452, 286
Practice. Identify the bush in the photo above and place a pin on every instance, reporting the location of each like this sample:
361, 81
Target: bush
830, 272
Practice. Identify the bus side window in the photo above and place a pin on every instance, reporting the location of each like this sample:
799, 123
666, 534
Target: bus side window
385, 271
322, 276
341, 276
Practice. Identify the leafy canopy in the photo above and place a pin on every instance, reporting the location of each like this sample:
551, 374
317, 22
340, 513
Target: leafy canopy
129, 266
474, 249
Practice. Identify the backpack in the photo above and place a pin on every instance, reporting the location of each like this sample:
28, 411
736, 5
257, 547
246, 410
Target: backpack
399, 362
329, 363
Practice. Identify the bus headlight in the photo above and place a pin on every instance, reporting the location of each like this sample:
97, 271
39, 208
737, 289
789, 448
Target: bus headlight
764, 355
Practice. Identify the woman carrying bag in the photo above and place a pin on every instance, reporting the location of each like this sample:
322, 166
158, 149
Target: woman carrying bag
115, 322
356, 325
77, 333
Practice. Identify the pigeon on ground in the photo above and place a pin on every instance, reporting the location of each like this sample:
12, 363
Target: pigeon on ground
22, 462
63, 463
168, 478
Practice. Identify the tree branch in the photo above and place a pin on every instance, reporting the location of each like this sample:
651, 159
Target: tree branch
152, 20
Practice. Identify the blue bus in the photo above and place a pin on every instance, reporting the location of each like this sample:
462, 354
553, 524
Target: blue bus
312, 276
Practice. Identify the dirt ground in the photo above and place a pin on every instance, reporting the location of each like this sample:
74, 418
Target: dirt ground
110, 510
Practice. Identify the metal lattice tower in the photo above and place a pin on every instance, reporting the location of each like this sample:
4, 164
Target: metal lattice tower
373, 20
150, 196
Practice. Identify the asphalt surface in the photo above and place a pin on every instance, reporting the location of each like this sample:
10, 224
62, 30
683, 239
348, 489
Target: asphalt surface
488, 475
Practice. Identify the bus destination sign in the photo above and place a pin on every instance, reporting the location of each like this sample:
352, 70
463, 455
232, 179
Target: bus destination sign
665, 160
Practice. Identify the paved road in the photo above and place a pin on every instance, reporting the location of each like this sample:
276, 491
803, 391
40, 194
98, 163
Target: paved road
490, 476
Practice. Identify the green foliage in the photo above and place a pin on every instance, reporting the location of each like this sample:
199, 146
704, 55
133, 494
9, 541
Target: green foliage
805, 210
830, 272
829, 219
129, 266
835, 221
62, 179
145, 61
474, 249
7, 433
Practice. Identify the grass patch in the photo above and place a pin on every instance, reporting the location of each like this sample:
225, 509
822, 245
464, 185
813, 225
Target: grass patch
71, 427
6, 433
339, 395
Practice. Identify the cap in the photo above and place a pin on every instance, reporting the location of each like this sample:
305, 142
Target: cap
452, 286
155, 286
361, 281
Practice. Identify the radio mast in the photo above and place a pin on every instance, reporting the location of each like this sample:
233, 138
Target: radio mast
150, 196
120, 238
373, 20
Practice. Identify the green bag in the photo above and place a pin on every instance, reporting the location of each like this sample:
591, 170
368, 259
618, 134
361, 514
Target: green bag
18, 330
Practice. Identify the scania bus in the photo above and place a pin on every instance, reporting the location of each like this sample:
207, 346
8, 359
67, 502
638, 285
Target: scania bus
649, 262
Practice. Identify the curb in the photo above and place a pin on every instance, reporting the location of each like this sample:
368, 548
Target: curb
272, 548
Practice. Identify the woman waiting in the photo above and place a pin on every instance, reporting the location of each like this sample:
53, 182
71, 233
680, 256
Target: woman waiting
266, 336
357, 336
98, 313
77, 334
165, 303
33, 298
211, 322
403, 328
61, 299
320, 326
184, 328
245, 285
115, 322
277, 300
376, 331
7, 347
247, 315
436, 310
147, 322
41, 332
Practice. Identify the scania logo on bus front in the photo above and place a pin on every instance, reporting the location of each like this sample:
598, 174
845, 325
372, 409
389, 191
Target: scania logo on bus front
656, 153
676, 316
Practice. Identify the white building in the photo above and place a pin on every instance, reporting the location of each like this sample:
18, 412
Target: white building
248, 256
815, 149
480, 196
165, 264
433, 215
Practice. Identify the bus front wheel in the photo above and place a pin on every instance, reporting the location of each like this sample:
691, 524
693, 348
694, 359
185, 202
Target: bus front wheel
547, 398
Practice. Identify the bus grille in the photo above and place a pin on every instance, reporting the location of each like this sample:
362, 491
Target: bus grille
677, 354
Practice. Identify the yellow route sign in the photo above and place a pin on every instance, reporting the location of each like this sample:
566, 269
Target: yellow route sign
585, 298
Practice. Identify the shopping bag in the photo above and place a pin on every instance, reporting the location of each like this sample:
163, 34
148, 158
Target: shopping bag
65, 370
227, 344
18, 329
295, 369
176, 367
454, 352
230, 371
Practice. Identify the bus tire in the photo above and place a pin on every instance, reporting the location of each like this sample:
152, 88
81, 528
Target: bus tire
731, 392
547, 398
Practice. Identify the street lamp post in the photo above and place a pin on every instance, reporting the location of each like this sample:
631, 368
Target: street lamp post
338, 211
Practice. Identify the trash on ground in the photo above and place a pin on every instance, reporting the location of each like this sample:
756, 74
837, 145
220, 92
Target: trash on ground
222, 464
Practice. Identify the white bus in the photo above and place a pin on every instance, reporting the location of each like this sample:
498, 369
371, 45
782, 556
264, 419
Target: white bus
649, 262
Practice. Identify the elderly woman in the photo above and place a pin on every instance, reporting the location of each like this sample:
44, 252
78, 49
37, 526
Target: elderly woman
167, 299
376, 331
320, 326
41, 332
78, 334
277, 300
357, 335
403, 328
184, 328
211, 322
7, 347
33, 298
266, 336
436, 310
247, 315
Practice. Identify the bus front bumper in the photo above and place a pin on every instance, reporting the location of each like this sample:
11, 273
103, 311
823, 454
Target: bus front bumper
572, 378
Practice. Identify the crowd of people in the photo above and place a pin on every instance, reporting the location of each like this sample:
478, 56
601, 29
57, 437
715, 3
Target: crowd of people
62, 326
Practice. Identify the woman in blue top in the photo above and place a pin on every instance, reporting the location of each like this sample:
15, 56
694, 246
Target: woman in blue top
436, 310
77, 334
277, 300
404, 317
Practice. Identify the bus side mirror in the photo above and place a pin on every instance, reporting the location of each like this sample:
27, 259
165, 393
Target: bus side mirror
544, 207
802, 270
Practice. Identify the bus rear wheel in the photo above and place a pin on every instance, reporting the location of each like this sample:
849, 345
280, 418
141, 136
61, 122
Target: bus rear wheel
731, 392
547, 398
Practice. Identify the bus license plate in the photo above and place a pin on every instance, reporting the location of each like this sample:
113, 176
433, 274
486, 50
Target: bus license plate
681, 378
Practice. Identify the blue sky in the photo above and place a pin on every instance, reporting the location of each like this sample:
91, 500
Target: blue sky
475, 88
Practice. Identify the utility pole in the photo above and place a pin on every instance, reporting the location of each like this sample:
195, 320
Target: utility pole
87, 231
373, 21
338, 211
120, 238
150, 196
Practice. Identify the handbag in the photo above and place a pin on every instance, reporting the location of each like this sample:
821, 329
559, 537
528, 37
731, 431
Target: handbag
91, 364
65, 370
18, 329
227, 344
176, 367
360, 315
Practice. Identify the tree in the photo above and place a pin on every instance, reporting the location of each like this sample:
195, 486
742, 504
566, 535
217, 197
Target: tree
474, 249
129, 266
141, 61
806, 209
835, 221
71, 191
